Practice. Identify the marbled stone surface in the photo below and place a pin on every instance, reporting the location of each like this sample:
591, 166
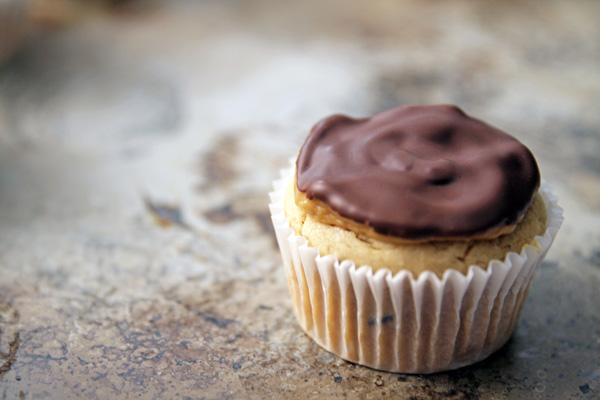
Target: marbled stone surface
137, 149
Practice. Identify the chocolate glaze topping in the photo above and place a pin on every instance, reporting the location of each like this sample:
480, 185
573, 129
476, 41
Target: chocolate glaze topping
418, 172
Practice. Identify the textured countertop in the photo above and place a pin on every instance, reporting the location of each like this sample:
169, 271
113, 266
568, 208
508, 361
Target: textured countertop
137, 148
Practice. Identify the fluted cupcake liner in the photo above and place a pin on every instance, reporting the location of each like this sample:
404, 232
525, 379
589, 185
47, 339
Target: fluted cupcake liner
399, 323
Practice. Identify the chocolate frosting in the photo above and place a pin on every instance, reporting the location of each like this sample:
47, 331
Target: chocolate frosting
418, 172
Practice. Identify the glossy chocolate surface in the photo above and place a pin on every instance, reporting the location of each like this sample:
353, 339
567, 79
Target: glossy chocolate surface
418, 172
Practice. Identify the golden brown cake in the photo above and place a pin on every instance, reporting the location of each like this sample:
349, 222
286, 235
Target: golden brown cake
432, 255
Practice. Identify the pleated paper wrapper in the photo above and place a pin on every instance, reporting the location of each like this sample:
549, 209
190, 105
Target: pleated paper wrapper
399, 323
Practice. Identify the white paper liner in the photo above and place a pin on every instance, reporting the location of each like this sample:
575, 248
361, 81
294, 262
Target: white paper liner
398, 323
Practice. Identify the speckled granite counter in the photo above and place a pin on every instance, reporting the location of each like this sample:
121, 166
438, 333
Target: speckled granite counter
137, 149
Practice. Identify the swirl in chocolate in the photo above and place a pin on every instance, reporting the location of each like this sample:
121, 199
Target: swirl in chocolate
419, 172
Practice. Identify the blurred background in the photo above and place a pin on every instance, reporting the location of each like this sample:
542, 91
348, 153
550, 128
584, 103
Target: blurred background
138, 142
143, 81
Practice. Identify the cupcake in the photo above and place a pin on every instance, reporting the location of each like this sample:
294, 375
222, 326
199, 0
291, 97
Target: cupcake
410, 238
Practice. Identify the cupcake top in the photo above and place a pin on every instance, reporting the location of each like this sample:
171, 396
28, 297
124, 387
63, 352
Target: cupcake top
416, 173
